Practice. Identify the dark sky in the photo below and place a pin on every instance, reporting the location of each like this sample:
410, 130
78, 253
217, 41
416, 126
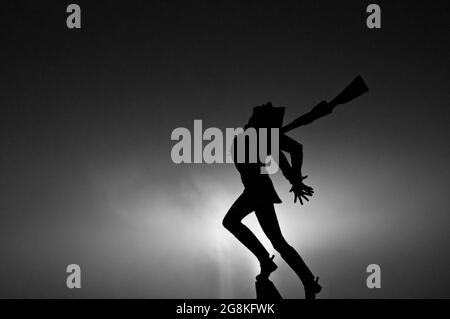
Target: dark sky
86, 117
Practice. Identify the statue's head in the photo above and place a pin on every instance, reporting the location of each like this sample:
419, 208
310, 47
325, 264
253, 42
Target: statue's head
267, 116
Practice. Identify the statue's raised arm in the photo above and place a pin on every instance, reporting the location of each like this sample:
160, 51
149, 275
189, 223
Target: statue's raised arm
352, 91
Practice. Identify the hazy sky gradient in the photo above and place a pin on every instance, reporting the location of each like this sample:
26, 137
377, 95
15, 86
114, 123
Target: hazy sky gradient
85, 169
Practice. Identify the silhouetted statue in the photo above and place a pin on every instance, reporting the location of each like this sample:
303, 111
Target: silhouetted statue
259, 194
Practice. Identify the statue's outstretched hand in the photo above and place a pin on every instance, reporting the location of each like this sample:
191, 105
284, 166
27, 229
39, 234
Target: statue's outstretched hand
301, 190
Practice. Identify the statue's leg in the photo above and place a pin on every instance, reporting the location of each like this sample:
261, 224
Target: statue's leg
269, 223
233, 222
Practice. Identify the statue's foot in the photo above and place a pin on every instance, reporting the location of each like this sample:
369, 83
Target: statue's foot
312, 289
267, 268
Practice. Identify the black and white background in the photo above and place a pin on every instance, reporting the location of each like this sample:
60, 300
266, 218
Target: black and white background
86, 117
